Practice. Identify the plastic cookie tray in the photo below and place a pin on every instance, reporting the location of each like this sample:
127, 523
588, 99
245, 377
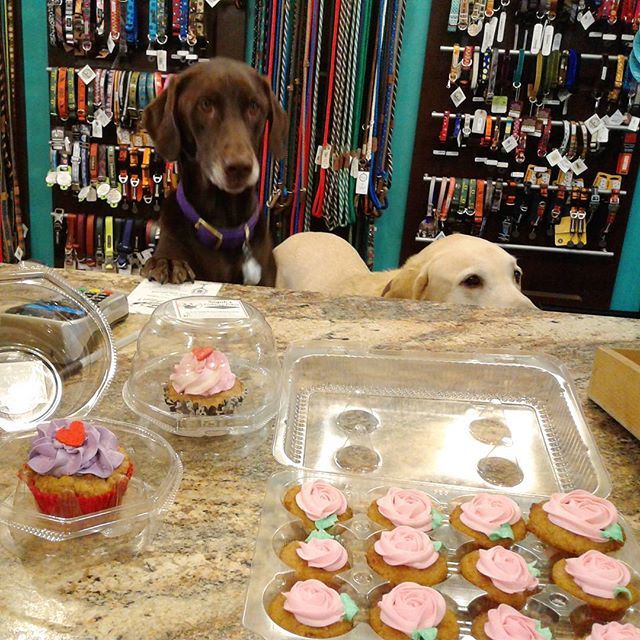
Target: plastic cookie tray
567, 617
448, 424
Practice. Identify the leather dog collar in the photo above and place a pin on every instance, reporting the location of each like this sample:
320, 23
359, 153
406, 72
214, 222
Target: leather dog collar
208, 235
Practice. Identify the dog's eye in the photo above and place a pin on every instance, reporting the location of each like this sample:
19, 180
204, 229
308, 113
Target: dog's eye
517, 276
253, 109
206, 105
472, 281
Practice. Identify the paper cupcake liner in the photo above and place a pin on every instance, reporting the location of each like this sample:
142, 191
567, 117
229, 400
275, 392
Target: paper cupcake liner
70, 504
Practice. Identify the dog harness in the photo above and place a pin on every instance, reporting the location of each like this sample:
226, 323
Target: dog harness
225, 238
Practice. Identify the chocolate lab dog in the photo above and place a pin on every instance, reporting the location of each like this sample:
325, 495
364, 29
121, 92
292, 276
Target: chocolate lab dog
211, 119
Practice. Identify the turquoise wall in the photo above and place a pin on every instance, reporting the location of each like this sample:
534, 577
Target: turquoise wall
34, 29
390, 225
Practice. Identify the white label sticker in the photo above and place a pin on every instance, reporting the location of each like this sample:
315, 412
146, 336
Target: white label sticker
96, 129
362, 183
579, 166
86, 74
510, 144
490, 162
554, 158
200, 308
355, 165
318, 155
565, 164
161, 60
627, 37
151, 53
609, 37
594, 123
517, 174
325, 159
587, 20
458, 97
18, 254
148, 295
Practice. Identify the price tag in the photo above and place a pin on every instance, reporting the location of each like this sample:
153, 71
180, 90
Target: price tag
145, 255
195, 309
123, 135
634, 123
111, 45
517, 174
102, 117
355, 166
362, 183
479, 122
151, 53
579, 166
565, 164
458, 97
25, 230
587, 20
616, 118
96, 129
627, 37
602, 135
161, 59
594, 123
318, 157
554, 158
609, 37
499, 104
510, 144
325, 159
18, 254
86, 74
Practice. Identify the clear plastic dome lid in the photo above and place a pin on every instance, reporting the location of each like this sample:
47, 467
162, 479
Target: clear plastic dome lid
56, 350
205, 366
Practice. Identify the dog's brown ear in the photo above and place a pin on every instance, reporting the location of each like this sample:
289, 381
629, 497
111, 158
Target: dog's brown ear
278, 124
159, 119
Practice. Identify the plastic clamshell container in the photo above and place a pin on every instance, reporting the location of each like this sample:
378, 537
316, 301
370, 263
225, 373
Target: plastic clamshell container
56, 350
567, 617
127, 528
233, 327
448, 424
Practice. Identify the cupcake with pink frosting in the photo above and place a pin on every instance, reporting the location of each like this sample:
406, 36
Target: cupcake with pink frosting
599, 580
312, 609
503, 574
405, 508
405, 554
203, 384
506, 623
410, 610
320, 557
490, 519
614, 631
318, 504
577, 522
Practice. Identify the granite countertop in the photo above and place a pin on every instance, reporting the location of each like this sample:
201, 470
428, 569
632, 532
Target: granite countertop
191, 583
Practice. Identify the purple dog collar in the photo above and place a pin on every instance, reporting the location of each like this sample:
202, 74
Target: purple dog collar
208, 235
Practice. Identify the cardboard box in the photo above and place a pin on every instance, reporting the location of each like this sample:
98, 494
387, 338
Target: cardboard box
615, 386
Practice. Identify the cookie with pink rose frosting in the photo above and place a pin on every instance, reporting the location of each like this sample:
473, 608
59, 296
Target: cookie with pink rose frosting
312, 609
405, 507
490, 519
577, 522
614, 631
506, 623
405, 554
319, 557
503, 574
597, 579
318, 504
203, 384
410, 610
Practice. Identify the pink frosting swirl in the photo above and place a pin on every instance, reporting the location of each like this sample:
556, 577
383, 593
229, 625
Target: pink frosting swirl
614, 631
487, 512
408, 547
320, 500
408, 507
314, 603
505, 623
202, 376
410, 607
581, 513
598, 574
507, 570
325, 554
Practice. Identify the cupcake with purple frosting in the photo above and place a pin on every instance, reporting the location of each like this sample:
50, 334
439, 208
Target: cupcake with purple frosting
75, 468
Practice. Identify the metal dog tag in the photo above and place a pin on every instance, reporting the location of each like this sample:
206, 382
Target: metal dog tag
251, 269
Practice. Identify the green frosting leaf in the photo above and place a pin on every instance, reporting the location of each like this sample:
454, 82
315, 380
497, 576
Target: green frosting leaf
327, 523
436, 518
505, 531
320, 534
613, 532
437, 545
425, 634
622, 591
350, 607
533, 570
544, 631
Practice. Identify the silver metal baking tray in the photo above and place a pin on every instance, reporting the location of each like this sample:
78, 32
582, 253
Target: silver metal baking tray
485, 421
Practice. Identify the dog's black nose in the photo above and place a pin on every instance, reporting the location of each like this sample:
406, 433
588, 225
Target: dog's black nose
237, 171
